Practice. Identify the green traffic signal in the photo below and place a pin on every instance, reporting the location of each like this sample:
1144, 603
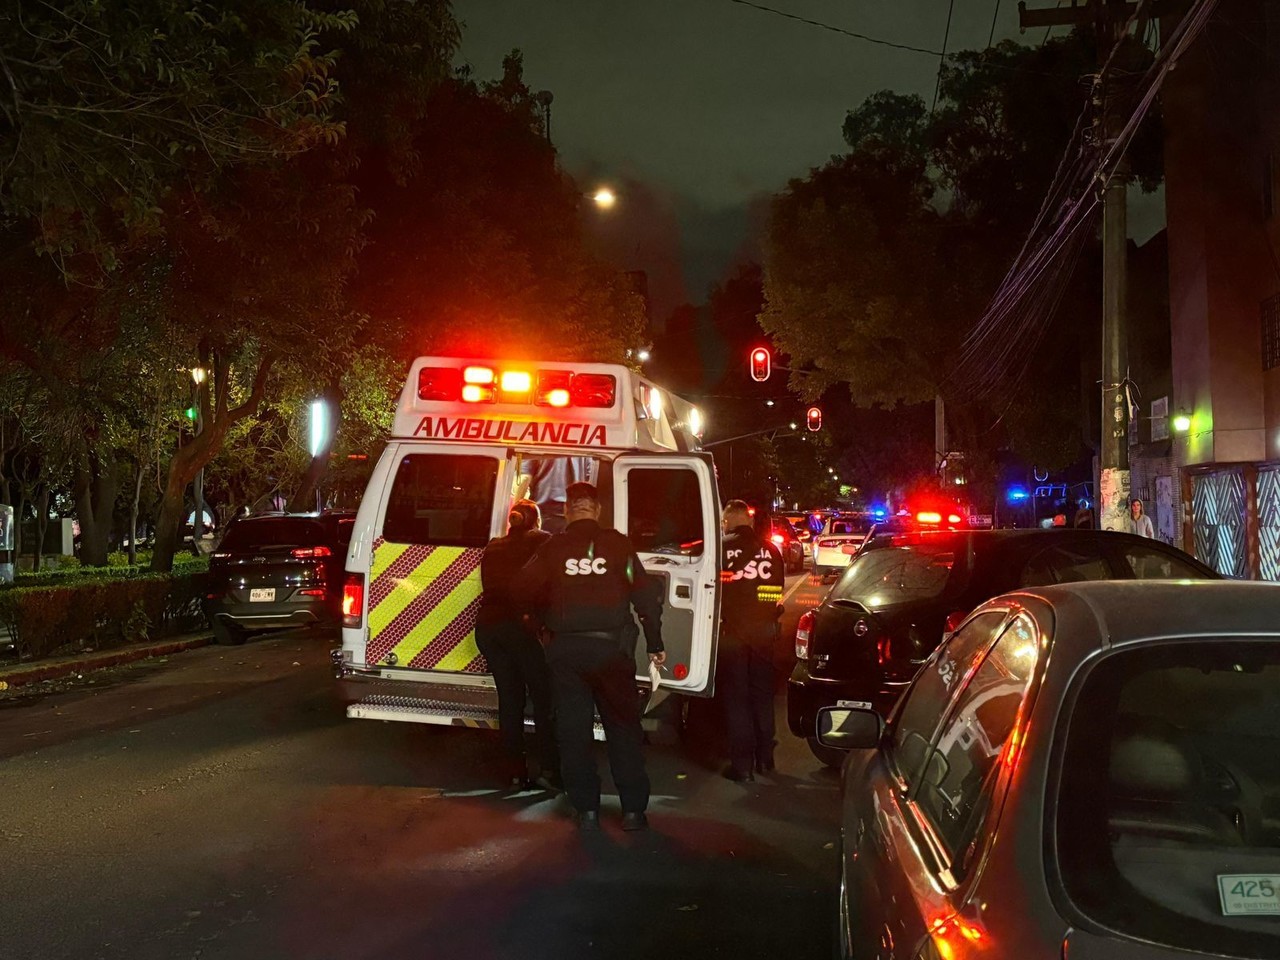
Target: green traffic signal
191, 413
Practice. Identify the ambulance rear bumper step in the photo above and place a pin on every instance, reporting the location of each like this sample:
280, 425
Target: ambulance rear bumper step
429, 710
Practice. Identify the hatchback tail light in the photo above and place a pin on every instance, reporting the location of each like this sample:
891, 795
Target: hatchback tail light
353, 600
307, 553
312, 592
804, 633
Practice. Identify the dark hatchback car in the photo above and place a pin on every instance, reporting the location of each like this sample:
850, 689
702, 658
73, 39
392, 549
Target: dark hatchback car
904, 592
278, 570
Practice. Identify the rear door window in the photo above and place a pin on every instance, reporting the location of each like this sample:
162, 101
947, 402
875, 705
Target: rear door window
1066, 563
1149, 563
937, 682
1168, 816
664, 511
441, 500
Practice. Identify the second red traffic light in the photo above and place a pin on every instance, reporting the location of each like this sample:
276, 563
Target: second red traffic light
761, 364
813, 419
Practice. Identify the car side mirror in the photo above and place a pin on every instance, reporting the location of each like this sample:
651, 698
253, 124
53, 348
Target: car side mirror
849, 728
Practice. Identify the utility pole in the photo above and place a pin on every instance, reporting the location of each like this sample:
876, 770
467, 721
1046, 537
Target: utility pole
1109, 18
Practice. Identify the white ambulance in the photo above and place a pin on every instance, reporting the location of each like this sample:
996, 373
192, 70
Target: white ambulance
469, 436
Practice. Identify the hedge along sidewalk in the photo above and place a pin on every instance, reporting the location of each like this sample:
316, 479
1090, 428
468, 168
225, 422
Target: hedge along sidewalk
55, 668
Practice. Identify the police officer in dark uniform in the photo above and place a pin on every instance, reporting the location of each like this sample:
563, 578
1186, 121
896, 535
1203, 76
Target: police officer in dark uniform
752, 577
512, 650
583, 585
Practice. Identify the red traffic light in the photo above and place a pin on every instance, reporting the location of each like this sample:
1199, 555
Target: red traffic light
813, 419
761, 364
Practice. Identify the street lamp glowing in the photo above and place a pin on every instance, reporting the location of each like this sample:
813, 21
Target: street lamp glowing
604, 198
198, 374
1182, 423
643, 356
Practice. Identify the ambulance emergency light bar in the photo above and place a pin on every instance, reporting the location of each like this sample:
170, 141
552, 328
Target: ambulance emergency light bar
544, 388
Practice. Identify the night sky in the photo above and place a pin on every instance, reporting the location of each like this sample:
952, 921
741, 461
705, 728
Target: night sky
699, 109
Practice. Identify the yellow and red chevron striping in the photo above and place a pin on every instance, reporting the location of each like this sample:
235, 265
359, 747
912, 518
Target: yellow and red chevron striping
422, 606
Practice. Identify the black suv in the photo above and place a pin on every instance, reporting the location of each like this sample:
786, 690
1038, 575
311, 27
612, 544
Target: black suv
278, 570
905, 591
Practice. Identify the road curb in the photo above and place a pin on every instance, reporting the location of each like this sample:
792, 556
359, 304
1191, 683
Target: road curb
36, 672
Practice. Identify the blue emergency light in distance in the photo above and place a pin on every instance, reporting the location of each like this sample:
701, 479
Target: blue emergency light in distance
1018, 493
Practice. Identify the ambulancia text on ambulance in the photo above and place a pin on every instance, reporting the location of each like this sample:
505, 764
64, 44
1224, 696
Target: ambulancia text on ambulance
469, 438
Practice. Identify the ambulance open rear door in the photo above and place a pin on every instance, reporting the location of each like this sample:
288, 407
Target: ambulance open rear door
668, 506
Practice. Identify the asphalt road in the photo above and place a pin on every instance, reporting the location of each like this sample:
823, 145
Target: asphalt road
220, 805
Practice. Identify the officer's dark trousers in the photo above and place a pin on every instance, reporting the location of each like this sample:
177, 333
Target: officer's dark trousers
589, 673
746, 673
519, 670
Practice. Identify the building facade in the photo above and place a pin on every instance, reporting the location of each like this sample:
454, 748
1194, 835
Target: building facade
1222, 132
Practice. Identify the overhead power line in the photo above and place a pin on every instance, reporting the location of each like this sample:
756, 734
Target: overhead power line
942, 57
834, 29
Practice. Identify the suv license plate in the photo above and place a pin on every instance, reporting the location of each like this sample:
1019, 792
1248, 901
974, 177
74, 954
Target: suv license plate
262, 594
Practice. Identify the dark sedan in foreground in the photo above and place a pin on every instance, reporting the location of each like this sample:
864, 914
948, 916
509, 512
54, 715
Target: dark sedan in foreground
277, 570
902, 593
1088, 771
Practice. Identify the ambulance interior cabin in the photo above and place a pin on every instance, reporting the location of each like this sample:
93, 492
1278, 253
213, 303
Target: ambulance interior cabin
441, 498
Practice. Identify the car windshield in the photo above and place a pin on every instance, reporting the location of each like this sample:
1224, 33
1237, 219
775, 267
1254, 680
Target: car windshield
255, 534
1171, 832
882, 578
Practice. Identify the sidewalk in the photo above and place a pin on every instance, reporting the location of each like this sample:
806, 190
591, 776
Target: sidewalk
53, 668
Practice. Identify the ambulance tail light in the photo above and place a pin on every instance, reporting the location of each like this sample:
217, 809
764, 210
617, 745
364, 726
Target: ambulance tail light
593, 390
353, 600
440, 383
553, 388
804, 633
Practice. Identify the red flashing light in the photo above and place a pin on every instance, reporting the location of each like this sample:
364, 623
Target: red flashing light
481, 375
813, 419
929, 516
778, 538
307, 553
439, 383
353, 600
474, 393
593, 390
553, 388
761, 364
953, 518
680, 671
804, 633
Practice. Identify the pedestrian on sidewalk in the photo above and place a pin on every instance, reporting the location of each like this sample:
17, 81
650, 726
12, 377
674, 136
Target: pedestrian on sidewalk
752, 576
1142, 525
583, 584
512, 650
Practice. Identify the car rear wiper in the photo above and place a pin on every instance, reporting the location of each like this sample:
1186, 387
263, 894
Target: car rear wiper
849, 605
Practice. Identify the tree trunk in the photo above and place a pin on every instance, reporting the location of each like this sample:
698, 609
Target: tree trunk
139, 474
42, 526
304, 498
95, 491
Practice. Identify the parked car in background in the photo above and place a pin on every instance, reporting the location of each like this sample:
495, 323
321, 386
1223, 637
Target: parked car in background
885, 615
839, 540
1086, 770
800, 524
277, 570
784, 537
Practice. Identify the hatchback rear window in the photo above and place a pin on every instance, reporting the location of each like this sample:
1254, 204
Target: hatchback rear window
882, 578
849, 526
1168, 826
441, 499
272, 532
